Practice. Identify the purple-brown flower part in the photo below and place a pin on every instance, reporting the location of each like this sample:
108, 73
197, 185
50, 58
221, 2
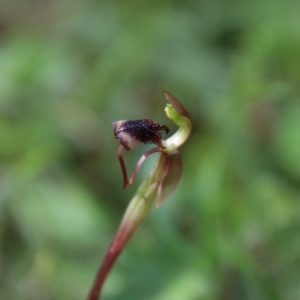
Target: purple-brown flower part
132, 132
123, 167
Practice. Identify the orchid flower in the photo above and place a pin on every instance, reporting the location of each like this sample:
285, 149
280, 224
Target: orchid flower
159, 184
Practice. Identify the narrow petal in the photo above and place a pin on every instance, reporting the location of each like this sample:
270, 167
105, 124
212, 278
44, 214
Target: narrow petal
171, 176
123, 167
140, 162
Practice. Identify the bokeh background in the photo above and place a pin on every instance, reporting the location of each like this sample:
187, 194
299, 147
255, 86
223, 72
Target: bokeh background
70, 68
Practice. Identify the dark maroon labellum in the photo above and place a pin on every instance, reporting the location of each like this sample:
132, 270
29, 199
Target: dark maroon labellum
143, 130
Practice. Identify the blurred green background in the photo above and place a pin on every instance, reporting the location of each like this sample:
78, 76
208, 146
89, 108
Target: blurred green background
70, 68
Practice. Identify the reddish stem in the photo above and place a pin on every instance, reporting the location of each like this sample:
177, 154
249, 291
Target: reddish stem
121, 238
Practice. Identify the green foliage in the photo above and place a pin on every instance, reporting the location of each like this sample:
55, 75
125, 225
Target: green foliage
70, 68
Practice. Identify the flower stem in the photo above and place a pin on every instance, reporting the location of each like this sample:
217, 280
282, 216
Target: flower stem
134, 215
